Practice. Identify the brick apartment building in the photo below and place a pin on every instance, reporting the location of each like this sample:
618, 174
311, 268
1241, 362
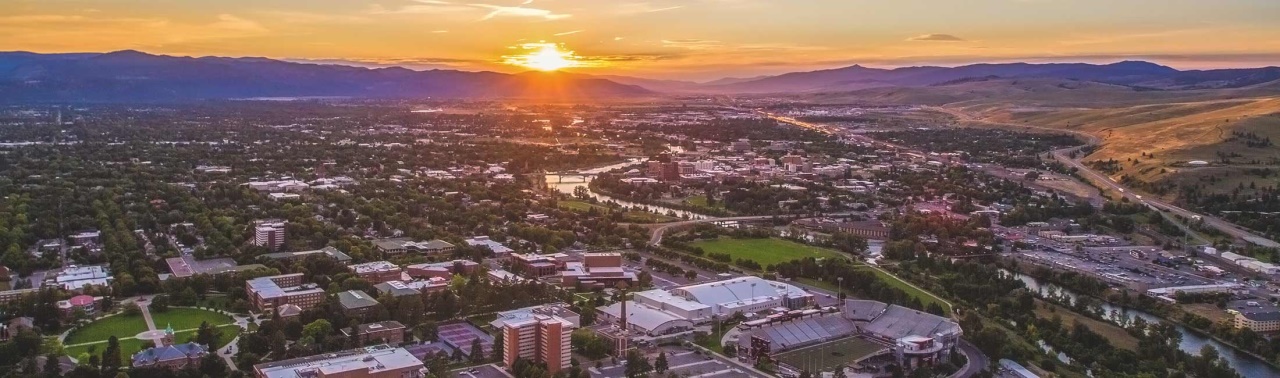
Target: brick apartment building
268, 293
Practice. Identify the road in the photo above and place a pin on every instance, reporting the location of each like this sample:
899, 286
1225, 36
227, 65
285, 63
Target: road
977, 361
1064, 156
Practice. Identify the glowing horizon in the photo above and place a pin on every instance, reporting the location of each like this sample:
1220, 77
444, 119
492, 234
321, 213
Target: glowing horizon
679, 39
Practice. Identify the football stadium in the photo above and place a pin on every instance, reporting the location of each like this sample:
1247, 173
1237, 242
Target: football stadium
863, 335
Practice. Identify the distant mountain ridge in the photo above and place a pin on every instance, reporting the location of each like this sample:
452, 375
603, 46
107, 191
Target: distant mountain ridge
1135, 74
132, 76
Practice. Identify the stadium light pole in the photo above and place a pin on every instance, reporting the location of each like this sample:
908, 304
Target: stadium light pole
840, 294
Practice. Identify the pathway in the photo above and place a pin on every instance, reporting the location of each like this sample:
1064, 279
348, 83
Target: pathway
145, 306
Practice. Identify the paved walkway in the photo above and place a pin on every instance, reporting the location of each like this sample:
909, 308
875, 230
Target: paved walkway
145, 306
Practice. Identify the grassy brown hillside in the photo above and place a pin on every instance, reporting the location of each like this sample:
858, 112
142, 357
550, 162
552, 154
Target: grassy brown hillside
1152, 134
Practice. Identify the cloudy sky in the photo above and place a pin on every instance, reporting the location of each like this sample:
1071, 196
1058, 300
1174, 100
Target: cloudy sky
679, 39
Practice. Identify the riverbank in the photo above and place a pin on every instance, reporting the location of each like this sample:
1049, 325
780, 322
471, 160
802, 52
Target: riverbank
1254, 365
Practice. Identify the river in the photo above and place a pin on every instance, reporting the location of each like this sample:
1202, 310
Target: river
553, 181
1192, 341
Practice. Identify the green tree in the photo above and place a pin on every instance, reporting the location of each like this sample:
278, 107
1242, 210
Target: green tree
660, 364
317, 330
637, 364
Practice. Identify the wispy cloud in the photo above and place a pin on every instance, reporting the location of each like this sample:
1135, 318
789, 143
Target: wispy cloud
936, 38
691, 43
236, 23
519, 11
494, 11
568, 33
644, 7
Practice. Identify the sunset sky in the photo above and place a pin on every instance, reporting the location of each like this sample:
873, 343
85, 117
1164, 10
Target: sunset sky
679, 39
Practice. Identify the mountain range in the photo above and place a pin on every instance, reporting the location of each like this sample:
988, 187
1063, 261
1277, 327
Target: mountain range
132, 76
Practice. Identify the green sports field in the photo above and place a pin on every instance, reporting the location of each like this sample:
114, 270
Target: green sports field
765, 251
827, 356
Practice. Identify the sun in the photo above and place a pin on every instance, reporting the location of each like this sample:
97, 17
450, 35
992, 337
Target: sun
543, 56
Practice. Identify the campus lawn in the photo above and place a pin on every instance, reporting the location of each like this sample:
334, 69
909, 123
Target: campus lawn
229, 332
120, 326
127, 348
188, 318
767, 252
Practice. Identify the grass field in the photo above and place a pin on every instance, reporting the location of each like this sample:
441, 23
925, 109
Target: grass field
827, 356
582, 206
119, 326
188, 318
765, 251
1116, 335
228, 332
925, 297
127, 348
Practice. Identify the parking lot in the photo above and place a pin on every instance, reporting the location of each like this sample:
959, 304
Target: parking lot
683, 362
1118, 265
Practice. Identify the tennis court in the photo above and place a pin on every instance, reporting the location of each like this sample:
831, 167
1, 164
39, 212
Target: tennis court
460, 335
827, 356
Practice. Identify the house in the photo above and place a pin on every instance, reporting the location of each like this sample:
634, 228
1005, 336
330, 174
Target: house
171, 356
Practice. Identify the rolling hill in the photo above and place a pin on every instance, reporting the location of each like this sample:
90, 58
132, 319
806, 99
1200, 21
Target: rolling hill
131, 76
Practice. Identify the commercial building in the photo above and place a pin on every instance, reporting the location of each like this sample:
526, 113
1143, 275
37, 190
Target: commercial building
405, 288
499, 250
1259, 316
378, 272
77, 277
388, 332
539, 338
398, 246
870, 229
268, 293
269, 233
444, 270
534, 265
7, 296
596, 269
356, 303
379, 361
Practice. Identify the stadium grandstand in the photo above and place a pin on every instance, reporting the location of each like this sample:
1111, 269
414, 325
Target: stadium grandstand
860, 332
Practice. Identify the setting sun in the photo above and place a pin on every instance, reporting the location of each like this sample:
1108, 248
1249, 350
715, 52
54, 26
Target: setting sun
543, 56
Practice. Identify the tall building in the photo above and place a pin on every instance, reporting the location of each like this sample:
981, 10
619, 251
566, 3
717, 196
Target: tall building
539, 338
269, 233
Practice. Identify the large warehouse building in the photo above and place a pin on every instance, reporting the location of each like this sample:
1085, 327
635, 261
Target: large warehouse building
658, 312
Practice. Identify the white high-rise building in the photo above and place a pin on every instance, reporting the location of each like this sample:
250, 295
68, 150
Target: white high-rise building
269, 234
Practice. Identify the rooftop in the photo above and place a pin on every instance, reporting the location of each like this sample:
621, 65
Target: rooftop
354, 299
361, 361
